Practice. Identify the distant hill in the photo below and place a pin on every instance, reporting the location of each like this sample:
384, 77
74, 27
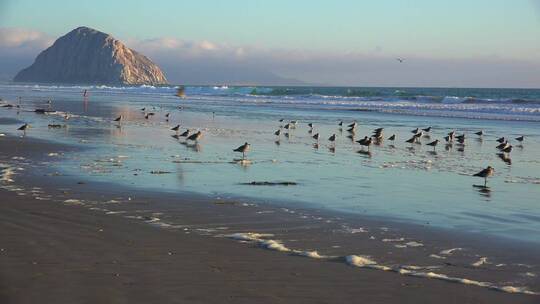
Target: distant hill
88, 56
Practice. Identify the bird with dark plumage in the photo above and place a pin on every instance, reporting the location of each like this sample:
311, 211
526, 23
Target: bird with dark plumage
520, 138
428, 129
365, 142
501, 140
119, 118
23, 127
195, 136
316, 136
243, 149
176, 128
392, 138
185, 134
277, 133
487, 172
479, 133
433, 144
332, 138
415, 131
507, 149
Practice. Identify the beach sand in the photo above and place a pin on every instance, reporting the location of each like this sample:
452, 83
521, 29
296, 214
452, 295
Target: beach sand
68, 253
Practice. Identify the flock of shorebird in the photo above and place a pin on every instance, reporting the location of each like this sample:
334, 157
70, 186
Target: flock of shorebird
376, 138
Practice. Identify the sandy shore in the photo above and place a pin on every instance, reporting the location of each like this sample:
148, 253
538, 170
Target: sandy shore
68, 253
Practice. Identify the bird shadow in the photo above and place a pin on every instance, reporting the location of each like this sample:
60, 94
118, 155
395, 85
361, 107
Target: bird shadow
505, 158
484, 191
365, 153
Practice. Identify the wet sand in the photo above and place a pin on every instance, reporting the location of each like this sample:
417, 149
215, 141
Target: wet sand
54, 252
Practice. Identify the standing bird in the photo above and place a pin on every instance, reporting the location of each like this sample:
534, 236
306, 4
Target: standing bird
353, 125
428, 129
340, 124
24, 127
479, 133
196, 136
243, 149
433, 144
392, 138
310, 125
277, 133
503, 145
119, 118
185, 134
501, 140
365, 142
316, 137
487, 172
176, 129
411, 140
507, 149
332, 138
520, 139
415, 131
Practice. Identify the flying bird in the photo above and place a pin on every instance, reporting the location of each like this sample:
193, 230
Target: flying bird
400, 60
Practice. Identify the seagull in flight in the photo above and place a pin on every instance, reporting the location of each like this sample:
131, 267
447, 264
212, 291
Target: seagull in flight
400, 60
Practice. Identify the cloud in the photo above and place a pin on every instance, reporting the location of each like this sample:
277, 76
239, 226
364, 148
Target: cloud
19, 38
18, 48
208, 62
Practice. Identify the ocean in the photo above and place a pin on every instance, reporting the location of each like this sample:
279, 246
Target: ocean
411, 183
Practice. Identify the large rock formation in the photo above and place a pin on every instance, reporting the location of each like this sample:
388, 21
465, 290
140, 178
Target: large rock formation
85, 55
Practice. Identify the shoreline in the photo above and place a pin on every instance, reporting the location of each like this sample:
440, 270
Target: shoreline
299, 228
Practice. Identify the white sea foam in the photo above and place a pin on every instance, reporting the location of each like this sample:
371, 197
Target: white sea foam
367, 262
7, 174
480, 262
450, 251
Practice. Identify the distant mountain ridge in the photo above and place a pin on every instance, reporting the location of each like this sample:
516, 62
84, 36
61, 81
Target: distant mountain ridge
86, 55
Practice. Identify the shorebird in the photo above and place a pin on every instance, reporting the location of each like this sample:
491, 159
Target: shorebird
428, 129
195, 136
340, 124
418, 135
400, 60
353, 125
503, 145
365, 142
281, 120
351, 130
520, 139
243, 149
479, 133
119, 118
277, 133
288, 126
23, 127
411, 140
447, 138
167, 116
392, 138
332, 138
501, 139
487, 172
433, 144
378, 136
316, 137
451, 135
176, 129
310, 125
415, 131
185, 134
143, 109
461, 140
378, 130
507, 149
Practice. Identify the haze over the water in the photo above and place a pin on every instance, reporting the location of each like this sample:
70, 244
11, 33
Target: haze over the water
444, 43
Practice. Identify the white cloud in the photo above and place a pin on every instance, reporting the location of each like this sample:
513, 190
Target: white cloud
206, 62
23, 38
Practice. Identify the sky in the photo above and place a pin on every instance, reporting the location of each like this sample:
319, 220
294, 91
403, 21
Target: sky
474, 43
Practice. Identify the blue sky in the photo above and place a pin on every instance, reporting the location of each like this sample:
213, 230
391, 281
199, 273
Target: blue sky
480, 31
